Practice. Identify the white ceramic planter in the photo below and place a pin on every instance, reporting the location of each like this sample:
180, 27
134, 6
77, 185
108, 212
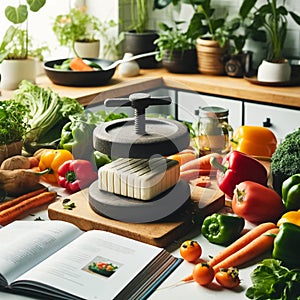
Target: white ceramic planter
15, 70
274, 72
88, 49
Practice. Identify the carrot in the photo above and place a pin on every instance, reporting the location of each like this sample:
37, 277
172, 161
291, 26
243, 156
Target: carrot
202, 162
12, 213
252, 250
13, 202
183, 157
241, 242
34, 161
191, 174
188, 278
77, 64
203, 181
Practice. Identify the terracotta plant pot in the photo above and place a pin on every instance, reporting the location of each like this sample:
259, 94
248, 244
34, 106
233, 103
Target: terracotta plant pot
181, 61
210, 57
12, 149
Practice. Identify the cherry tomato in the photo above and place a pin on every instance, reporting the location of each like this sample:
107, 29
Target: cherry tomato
203, 273
190, 250
228, 278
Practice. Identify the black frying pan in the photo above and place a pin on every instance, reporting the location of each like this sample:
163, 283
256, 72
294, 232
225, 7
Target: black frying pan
78, 78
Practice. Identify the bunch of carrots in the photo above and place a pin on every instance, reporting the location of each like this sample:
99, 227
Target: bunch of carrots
196, 168
252, 244
19, 207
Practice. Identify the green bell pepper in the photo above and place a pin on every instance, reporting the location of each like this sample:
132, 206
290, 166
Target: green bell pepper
222, 229
291, 192
101, 159
77, 137
287, 244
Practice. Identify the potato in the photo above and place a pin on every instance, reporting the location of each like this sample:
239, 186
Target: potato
15, 162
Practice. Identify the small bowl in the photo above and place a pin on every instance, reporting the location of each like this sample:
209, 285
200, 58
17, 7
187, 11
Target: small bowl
78, 78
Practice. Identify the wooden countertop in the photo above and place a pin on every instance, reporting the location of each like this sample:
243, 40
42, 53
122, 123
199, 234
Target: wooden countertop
150, 79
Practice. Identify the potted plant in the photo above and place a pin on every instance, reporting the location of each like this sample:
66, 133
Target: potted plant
16, 64
138, 38
213, 44
272, 17
177, 48
13, 127
213, 33
79, 31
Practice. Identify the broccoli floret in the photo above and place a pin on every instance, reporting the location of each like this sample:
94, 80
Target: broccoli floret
285, 161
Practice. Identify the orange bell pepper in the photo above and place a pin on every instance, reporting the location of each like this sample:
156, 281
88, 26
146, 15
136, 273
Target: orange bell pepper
51, 160
254, 140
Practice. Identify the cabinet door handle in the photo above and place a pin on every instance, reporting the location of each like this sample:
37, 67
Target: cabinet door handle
267, 123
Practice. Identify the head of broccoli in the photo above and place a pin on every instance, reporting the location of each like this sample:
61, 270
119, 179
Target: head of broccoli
285, 161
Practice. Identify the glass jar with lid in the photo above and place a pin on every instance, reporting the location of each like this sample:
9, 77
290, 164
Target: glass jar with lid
214, 131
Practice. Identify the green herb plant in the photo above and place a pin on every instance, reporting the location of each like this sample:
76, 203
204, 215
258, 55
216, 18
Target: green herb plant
15, 43
13, 122
77, 25
268, 23
80, 26
173, 39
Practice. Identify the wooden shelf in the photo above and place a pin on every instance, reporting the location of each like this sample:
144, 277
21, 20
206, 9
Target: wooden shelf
223, 86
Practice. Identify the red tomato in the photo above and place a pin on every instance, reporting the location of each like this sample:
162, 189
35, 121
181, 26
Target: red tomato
203, 273
190, 250
228, 278
256, 203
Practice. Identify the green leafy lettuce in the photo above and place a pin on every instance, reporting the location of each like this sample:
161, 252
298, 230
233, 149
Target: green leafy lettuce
271, 281
48, 113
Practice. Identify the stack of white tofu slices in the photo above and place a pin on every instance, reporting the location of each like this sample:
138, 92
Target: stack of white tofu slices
138, 178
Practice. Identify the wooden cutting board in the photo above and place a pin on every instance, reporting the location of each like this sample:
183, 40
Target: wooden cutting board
203, 202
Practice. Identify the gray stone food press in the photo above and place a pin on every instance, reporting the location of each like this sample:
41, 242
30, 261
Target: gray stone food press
139, 137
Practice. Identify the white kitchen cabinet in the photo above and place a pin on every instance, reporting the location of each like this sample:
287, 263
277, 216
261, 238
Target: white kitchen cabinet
189, 102
280, 120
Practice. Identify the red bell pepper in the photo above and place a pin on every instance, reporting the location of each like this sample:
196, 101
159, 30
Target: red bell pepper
75, 175
257, 203
237, 167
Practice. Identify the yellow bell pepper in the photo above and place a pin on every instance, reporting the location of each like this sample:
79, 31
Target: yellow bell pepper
51, 160
254, 140
290, 217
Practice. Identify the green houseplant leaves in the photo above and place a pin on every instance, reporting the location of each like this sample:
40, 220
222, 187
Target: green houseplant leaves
15, 41
272, 17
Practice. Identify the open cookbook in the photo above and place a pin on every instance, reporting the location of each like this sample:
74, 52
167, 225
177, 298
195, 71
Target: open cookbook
56, 260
